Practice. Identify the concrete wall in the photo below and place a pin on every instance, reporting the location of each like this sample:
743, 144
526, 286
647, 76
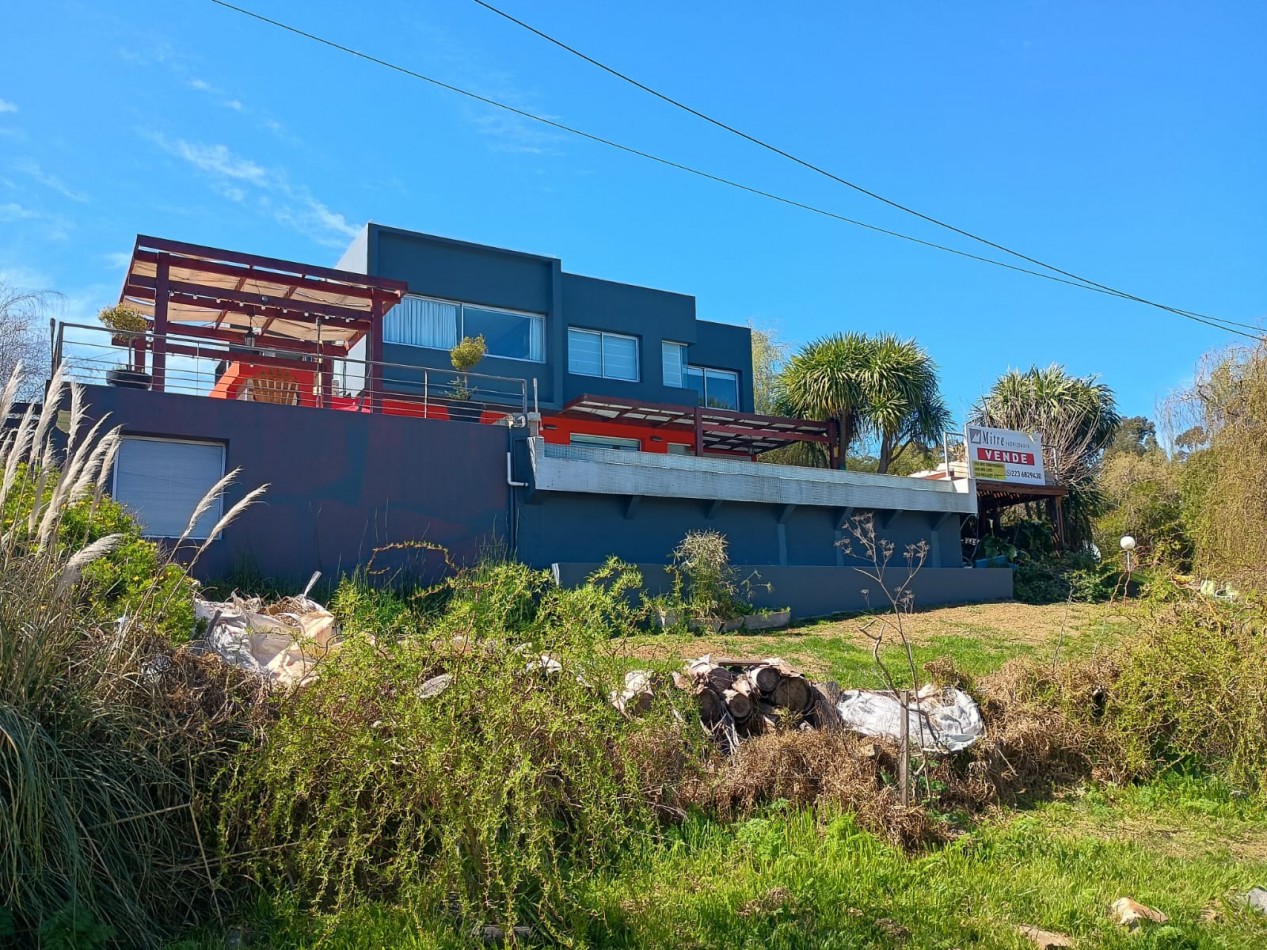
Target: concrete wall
473, 273
555, 526
820, 591
341, 484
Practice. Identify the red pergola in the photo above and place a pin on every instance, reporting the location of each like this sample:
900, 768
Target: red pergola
227, 297
715, 430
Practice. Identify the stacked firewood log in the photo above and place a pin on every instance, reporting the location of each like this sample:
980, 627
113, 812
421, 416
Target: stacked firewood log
742, 698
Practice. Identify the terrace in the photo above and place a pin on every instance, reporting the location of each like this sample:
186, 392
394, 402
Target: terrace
228, 325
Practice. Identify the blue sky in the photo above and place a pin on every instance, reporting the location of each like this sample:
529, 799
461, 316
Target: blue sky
1125, 141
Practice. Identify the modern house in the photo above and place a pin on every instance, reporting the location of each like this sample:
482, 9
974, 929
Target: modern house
606, 418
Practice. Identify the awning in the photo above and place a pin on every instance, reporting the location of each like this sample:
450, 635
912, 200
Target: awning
233, 294
719, 430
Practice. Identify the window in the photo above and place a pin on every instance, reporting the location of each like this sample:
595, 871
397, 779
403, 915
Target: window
162, 481
606, 442
674, 358
609, 355
440, 324
718, 388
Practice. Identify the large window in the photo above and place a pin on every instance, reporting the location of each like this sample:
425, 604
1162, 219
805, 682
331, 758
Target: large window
440, 324
718, 388
162, 481
609, 355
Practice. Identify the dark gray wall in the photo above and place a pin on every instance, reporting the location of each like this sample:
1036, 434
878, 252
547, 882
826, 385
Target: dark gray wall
560, 526
341, 484
473, 273
819, 591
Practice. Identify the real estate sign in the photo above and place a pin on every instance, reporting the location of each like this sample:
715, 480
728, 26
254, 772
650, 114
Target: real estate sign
1002, 455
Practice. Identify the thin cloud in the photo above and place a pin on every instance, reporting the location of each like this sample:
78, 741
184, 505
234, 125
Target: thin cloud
12, 211
215, 160
239, 179
7, 106
516, 135
32, 170
118, 260
53, 227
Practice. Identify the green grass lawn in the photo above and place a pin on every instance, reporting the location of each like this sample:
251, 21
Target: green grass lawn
1186, 846
979, 638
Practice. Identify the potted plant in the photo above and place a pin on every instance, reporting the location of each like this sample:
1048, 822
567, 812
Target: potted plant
465, 357
123, 319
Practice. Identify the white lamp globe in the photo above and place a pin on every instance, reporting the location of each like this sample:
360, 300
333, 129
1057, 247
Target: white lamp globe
1128, 543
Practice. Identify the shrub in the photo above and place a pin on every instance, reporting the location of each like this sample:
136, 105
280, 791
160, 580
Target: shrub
706, 586
1145, 500
362, 607
482, 794
1189, 687
1077, 577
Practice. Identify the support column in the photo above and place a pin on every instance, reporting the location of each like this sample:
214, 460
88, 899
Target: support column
161, 291
374, 356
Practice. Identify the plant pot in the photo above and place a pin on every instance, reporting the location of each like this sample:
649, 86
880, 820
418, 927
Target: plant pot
464, 411
129, 379
773, 620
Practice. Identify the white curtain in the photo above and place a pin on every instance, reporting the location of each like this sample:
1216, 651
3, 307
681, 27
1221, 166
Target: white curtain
537, 340
420, 322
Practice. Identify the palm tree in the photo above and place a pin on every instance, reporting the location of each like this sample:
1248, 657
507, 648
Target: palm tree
877, 386
824, 381
904, 406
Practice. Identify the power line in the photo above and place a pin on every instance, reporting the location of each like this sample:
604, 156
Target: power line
762, 143
1216, 322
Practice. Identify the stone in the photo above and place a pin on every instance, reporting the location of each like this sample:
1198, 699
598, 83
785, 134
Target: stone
1133, 914
1045, 939
1257, 899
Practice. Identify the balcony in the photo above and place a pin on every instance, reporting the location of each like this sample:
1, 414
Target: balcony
593, 469
96, 355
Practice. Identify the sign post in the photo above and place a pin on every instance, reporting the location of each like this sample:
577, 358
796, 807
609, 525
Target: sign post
1002, 455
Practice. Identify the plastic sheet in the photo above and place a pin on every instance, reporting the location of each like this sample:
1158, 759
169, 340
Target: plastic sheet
939, 720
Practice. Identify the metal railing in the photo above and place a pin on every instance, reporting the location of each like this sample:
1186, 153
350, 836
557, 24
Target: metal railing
195, 366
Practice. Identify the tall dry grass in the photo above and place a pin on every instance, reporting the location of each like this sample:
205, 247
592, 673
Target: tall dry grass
109, 737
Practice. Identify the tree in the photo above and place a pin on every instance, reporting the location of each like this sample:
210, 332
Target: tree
769, 354
1075, 418
22, 315
880, 387
1136, 435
